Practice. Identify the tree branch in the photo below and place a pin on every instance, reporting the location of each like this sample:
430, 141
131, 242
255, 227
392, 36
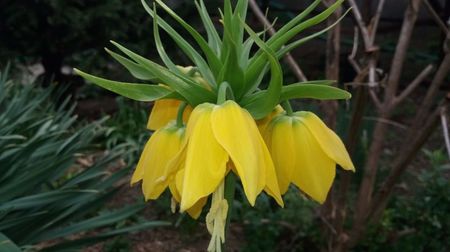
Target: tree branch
413, 85
401, 48
436, 17
445, 130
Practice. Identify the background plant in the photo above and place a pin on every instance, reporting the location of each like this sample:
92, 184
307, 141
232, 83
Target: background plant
44, 189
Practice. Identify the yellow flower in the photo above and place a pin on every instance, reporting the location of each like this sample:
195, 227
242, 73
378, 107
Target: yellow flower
164, 111
216, 135
154, 166
305, 152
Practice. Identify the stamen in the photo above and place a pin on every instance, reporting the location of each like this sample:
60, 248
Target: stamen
216, 219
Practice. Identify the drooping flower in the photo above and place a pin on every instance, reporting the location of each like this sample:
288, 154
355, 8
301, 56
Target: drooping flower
154, 166
305, 152
216, 135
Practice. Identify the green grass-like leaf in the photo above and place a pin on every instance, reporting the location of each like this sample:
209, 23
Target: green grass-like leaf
135, 91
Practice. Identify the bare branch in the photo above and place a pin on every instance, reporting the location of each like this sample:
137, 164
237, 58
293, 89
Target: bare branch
362, 27
374, 98
351, 57
401, 48
288, 58
445, 129
417, 139
383, 120
436, 17
375, 20
430, 97
413, 85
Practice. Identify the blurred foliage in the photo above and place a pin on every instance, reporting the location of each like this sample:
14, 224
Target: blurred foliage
270, 228
417, 220
127, 127
60, 29
74, 32
43, 188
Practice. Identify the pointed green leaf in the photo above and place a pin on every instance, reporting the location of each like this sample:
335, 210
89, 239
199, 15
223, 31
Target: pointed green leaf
193, 92
283, 51
135, 69
7, 245
294, 21
135, 91
265, 102
258, 62
159, 45
232, 71
313, 91
193, 55
213, 37
213, 60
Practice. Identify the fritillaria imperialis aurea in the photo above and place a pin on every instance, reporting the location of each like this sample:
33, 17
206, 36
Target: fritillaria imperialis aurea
220, 121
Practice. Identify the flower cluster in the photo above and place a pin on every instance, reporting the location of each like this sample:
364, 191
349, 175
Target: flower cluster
214, 123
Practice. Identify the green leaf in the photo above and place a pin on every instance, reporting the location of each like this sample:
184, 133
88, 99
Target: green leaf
258, 63
294, 21
65, 246
135, 69
213, 37
313, 91
261, 105
213, 60
193, 92
94, 222
41, 199
135, 91
284, 50
159, 45
232, 71
7, 245
196, 58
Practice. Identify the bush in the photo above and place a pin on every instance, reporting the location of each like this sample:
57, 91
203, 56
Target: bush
45, 195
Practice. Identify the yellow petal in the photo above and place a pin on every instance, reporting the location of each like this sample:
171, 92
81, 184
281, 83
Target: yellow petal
237, 133
327, 139
163, 145
174, 186
272, 188
164, 111
315, 171
280, 141
197, 208
206, 160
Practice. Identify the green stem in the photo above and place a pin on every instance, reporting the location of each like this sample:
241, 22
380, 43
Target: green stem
287, 106
230, 188
180, 114
224, 92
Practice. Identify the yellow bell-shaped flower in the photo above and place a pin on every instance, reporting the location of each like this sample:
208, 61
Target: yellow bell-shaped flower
216, 135
154, 166
305, 152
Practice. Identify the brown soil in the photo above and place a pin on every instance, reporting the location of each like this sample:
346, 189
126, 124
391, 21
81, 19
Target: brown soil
171, 238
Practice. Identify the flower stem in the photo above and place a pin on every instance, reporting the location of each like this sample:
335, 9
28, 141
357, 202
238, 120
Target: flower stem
287, 106
224, 92
230, 188
180, 114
